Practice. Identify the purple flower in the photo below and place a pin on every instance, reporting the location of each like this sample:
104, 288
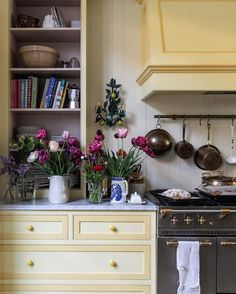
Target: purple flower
43, 156
41, 134
95, 146
75, 151
73, 142
99, 136
140, 142
148, 151
121, 133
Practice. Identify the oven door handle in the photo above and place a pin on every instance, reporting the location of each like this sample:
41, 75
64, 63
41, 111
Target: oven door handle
205, 243
227, 243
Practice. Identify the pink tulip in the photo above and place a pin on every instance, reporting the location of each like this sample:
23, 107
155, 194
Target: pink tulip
33, 156
65, 135
121, 133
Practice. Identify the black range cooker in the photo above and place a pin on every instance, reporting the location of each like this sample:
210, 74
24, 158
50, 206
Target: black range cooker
209, 219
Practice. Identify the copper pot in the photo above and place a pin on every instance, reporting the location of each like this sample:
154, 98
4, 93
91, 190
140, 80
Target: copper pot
183, 148
159, 141
217, 180
208, 157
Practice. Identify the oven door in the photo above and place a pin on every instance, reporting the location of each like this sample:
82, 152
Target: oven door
167, 273
226, 265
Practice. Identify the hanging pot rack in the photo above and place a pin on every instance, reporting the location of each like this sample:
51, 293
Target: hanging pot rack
196, 116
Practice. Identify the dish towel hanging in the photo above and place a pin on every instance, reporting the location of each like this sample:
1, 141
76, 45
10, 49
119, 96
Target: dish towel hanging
187, 261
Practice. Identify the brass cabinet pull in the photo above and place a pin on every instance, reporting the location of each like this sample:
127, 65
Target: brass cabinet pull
227, 243
30, 228
202, 243
112, 263
30, 262
112, 228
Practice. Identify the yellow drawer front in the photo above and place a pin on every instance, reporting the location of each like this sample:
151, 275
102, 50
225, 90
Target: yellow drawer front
73, 289
74, 262
33, 227
110, 227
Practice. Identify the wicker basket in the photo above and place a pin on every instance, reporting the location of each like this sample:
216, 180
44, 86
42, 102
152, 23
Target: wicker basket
38, 56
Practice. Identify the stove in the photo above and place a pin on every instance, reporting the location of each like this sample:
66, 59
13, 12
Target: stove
209, 219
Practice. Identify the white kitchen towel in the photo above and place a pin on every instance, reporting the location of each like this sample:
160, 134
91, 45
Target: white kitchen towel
188, 266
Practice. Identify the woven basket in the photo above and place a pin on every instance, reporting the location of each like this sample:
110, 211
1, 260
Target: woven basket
38, 56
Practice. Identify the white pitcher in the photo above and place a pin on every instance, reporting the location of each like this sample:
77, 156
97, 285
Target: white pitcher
58, 189
119, 190
49, 21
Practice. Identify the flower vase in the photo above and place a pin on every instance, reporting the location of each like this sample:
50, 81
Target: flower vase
58, 189
119, 190
95, 193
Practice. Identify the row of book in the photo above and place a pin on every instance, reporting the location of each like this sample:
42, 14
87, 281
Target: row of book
36, 93
58, 17
24, 92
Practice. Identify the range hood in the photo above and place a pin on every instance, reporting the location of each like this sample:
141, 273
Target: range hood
188, 46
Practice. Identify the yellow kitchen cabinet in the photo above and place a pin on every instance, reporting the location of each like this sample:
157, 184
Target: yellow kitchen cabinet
187, 46
120, 260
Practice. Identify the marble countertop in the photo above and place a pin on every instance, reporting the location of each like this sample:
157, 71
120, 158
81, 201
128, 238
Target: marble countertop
82, 204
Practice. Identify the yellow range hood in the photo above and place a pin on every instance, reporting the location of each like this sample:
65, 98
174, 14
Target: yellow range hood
188, 46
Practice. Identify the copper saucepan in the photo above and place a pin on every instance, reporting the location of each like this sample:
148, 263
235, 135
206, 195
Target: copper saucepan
183, 148
208, 157
159, 141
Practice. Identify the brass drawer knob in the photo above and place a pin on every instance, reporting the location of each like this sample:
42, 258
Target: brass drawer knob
30, 228
112, 263
112, 228
30, 262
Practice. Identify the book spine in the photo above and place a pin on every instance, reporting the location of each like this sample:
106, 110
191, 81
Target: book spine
57, 100
42, 103
60, 17
26, 92
18, 93
53, 94
14, 93
57, 94
29, 92
22, 94
34, 92
49, 92
62, 104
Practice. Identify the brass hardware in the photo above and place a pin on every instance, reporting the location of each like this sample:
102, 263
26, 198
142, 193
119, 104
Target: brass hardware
174, 220
201, 220
30, 228
202, 243
30, 262
188, 220
165, 211
224, 212
211, 223
112, 263
112, 228
227, 243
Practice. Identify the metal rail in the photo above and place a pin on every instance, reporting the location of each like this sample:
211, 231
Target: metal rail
196, 116
205, 243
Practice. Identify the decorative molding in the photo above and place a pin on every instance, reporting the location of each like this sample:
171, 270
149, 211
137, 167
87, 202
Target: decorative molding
140, 2
156, 69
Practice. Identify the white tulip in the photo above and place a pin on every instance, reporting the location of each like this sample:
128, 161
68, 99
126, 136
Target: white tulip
53, 146
33, 156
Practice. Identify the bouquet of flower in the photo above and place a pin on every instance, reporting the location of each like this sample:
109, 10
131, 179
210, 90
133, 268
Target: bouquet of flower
61, 157
94, 168
122, 163
14, 170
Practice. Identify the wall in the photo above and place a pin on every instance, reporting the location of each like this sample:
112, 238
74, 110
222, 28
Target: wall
114, 51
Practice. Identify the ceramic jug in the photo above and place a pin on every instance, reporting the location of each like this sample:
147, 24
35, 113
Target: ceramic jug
119, 190
49, 21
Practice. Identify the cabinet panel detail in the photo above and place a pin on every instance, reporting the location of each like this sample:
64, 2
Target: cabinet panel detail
74, 262
112, 227
33, 227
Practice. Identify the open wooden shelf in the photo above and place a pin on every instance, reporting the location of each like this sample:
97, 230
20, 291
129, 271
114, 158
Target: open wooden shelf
40, 35
33, 3
45, 110
47, 72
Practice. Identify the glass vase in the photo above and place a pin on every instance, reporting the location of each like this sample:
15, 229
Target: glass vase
11, 194
95, 193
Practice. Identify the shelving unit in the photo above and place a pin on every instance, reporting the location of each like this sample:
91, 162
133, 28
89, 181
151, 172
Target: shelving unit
69, 42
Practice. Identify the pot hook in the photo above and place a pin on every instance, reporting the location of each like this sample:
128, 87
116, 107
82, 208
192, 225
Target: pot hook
158, 125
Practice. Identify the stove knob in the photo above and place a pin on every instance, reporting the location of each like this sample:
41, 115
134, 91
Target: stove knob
174, 220
201, 220
188, 220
